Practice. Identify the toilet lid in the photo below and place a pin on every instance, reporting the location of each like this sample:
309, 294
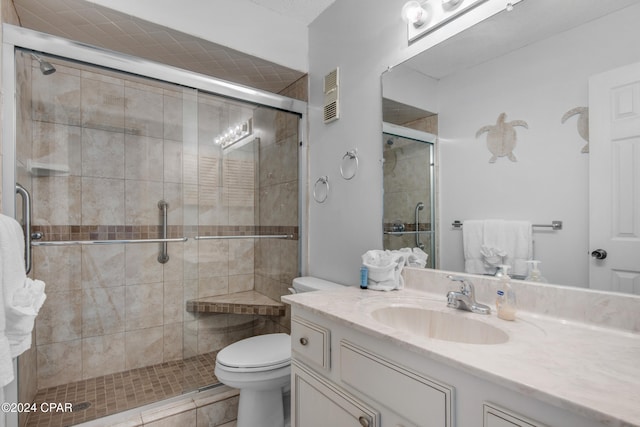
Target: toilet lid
271, 350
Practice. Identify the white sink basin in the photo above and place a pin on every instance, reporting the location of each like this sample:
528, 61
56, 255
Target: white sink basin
439, 325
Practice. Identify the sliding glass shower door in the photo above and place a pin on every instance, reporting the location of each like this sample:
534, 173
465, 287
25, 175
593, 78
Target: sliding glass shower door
134, 181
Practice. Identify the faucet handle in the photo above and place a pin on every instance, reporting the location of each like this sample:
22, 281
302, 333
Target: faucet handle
466, 287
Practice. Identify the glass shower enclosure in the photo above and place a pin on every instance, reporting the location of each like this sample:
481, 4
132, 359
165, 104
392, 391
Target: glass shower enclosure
152, 200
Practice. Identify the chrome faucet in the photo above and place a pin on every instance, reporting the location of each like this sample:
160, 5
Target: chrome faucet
465, 298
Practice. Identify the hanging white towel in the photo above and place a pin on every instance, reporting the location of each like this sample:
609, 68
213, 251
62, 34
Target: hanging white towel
472, 240
490, 243
22, 296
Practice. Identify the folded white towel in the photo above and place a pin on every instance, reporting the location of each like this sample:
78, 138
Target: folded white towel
414, 257
22, 297
519, 246
385, 268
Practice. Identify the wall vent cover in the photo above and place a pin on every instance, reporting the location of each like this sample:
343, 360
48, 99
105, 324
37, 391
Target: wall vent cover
331, 107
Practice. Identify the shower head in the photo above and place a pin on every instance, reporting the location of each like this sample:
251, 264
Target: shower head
45, 67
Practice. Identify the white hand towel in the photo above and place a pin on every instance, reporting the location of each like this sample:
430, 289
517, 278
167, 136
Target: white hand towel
414, 257
494, 249
518, 239
22, 297
472, 240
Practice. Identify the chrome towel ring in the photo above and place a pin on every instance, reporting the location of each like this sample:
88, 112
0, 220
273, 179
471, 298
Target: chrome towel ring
321, 189
349, 164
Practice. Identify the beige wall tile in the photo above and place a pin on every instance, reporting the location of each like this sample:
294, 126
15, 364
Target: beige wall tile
173, 335
241, 256
103, 266
102, 154
141, 265
213, 258
144, 158
56, 146
278, 204
59, 200
174, 305
102, 355
143, 110
241, 283
56, 98
173, 120
60, 318
144, 347
143, 306
212, 286
173, 195
173, 161
103, 103
58, 266
184, 419
59, 363
141, 202
102, 201
103, 311
218, 413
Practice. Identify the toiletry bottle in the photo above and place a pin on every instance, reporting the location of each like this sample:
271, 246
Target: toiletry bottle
506, 300
364, 277
535, 275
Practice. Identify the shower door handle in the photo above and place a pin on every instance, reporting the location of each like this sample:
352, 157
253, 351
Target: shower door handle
26, 213
419, 207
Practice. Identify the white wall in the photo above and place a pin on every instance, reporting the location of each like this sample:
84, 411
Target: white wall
362, 38
538, 84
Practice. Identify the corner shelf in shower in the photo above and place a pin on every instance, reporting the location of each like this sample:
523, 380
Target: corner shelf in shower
248, 302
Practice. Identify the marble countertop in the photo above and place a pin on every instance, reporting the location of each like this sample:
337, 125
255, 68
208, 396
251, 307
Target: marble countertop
590, 370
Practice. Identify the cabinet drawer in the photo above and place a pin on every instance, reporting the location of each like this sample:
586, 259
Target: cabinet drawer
310, 341
494, 416
422, 401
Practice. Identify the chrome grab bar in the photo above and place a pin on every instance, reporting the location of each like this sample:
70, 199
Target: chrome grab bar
255, 236
163, 257
106, 242
419, 207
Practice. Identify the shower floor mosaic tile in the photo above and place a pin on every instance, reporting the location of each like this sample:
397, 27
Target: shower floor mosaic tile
109, 394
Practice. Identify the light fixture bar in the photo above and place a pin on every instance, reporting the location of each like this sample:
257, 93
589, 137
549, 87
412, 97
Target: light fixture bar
235, 134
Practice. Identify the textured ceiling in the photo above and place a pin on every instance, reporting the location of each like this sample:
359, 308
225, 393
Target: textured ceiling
99, 26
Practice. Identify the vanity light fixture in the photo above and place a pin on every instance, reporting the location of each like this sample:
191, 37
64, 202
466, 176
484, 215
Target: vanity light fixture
425, 16
235, 134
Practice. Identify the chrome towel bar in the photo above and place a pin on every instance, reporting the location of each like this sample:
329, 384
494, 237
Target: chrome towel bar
555, 225
106, 242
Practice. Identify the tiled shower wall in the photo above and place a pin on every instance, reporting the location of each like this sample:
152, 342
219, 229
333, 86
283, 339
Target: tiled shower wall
407, 181
113, 308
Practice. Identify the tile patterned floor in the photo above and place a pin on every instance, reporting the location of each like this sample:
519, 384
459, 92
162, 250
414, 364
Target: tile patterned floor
109, 394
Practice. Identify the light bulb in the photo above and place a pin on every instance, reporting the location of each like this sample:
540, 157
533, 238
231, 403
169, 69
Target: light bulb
414, 13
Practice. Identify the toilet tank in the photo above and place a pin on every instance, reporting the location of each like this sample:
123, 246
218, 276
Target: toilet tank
308, 284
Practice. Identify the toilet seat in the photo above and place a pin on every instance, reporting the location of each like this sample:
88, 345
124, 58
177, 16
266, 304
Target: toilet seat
256, 354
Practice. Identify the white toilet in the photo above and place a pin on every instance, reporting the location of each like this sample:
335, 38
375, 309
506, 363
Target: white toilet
260, 367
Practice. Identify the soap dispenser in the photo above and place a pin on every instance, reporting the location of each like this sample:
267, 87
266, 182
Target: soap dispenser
506, 300
535, 275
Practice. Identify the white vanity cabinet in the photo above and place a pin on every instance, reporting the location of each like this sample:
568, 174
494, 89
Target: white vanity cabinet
337, 382
346, 375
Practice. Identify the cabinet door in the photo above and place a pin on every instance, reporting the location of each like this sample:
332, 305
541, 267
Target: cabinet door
319, 403
500, 417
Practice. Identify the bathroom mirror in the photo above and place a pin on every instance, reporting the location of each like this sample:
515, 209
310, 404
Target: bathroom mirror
530, 68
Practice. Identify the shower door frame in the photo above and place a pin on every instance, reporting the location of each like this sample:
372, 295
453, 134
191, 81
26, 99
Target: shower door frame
18, 37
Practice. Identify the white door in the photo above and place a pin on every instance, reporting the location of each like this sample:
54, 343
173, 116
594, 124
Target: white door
614, 179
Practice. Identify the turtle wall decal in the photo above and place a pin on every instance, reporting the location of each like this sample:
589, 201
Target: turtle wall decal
501, 137
583, 124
